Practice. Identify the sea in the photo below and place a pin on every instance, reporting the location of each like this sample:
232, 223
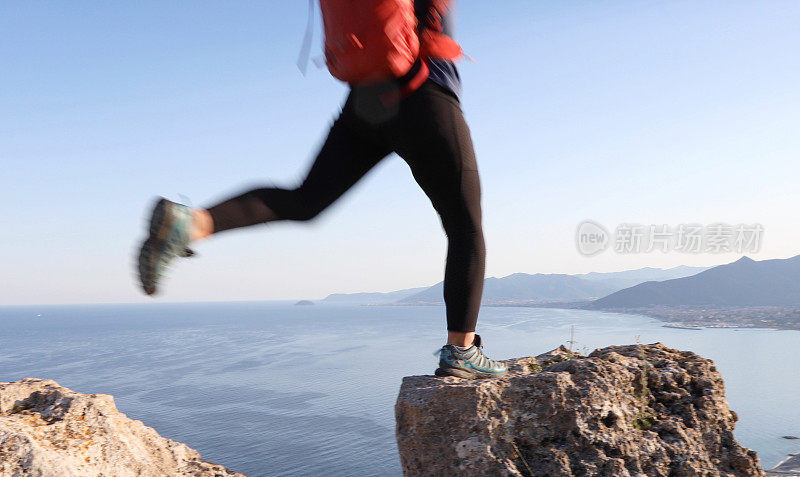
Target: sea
275, 389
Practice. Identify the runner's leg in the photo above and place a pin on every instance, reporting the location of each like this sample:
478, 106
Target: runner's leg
350, 150
348, 153
434, 140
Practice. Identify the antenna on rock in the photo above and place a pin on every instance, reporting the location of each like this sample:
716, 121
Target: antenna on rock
571, 336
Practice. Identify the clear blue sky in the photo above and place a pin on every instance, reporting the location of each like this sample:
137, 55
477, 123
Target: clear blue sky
619, 111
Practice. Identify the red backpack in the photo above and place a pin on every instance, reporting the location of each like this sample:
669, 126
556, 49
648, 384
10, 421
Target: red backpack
375, 40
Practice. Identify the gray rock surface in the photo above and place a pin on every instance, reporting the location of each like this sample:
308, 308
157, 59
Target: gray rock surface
50, 431
788, 467
635, 410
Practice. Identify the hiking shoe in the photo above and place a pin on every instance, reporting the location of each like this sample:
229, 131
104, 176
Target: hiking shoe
468, 364
168, 238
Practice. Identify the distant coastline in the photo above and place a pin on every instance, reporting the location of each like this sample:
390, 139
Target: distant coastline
769, 317
693, 317
685, 317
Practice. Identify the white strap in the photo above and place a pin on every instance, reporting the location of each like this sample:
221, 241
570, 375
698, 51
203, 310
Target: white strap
305, 49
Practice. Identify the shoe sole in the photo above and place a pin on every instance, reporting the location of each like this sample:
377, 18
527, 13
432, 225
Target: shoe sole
147, 256
464, 374
159, 228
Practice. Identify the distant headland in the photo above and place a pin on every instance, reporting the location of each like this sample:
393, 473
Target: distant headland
743, 293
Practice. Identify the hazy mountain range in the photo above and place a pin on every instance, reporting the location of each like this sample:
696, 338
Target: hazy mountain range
527, 288
630, 278
746, 293
523, 287
371, 298
745, 282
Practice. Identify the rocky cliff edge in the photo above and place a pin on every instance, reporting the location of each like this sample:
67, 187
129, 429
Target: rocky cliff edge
635, 410
49, 430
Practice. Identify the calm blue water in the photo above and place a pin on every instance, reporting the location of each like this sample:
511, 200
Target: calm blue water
276, 389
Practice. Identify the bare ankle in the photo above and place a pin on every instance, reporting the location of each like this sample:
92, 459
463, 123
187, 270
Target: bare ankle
202, 225
459, 338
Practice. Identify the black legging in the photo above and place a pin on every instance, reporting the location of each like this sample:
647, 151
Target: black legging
427, 129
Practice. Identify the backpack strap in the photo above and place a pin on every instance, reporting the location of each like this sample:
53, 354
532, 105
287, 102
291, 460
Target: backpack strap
430, 14
305, 49
409, 82
434, 43
422, 9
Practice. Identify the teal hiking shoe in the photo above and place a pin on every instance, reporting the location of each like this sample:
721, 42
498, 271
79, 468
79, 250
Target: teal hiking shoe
468, 364
170, 224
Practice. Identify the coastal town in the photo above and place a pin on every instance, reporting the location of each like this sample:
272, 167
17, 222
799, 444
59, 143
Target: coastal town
776, 317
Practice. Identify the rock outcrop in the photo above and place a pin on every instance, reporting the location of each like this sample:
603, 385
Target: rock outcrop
788, 467
48, 430
636, 410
